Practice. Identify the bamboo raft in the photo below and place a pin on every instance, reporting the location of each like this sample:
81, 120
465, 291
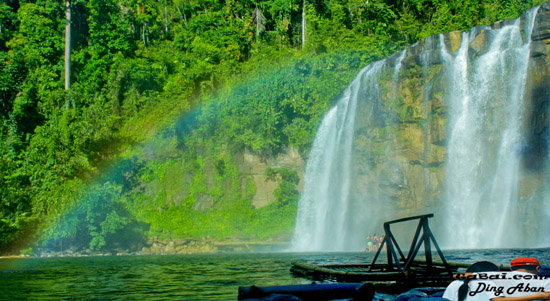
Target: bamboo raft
384, 281
400, 272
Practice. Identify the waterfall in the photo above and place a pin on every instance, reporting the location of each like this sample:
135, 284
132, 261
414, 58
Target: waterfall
481, 195
323, 210
358, 175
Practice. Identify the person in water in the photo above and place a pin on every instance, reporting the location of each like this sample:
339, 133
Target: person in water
375, 242
480, 283
369, 244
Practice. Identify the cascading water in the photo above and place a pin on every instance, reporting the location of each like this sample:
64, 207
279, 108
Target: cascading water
353, 181
485, 139
323, 210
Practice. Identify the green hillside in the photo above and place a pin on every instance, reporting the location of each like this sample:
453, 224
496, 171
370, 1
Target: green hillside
165, 94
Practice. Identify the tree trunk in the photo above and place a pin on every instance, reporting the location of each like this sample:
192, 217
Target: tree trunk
67, 45
165, 18
182, 16
257, 22
259, 19
143, 35
303, 23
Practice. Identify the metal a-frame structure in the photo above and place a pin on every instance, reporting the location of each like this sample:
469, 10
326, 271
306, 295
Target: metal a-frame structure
423, 236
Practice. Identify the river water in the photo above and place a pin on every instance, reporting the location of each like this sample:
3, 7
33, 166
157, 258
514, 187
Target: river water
182, 277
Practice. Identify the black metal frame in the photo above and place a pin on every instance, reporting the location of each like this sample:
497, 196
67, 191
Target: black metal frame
426, 238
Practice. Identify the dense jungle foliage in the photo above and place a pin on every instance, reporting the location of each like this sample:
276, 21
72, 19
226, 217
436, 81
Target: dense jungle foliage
164, 93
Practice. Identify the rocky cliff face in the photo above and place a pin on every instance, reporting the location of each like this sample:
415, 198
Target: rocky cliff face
456, 125
405, 161
402, 155
256, 166
177, 182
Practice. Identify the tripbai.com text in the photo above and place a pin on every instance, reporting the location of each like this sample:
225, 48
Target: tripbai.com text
501, 276
508, 283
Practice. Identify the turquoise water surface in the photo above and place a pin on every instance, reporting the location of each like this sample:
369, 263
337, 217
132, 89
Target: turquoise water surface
182, 277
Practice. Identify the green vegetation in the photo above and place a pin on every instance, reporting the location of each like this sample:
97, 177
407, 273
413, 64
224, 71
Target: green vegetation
166, 94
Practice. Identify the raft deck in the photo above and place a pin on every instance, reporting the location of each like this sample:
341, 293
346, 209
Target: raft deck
400, 272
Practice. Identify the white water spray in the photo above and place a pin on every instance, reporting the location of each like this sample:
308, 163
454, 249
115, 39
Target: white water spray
485, 140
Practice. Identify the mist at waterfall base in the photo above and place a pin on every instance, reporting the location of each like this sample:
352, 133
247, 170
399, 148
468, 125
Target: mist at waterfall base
480, 203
